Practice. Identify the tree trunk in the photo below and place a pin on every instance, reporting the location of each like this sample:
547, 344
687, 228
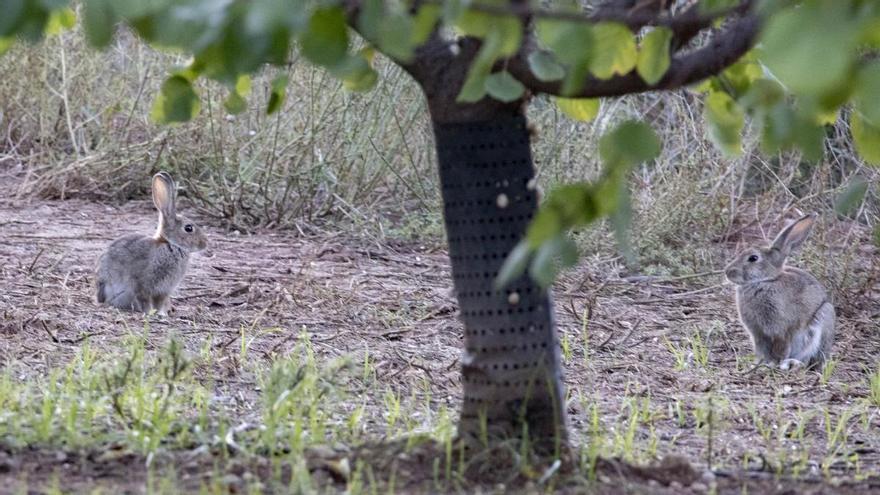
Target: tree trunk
510, 366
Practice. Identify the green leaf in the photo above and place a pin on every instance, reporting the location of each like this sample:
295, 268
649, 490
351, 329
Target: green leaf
99, 21
356, 72
424, 23
566, 206
575, 204
582, 109
279, 91
870, 34
370, 19
726, 121
325, 40
514, 265
243, 85
395, 35
763, 94
740, 76
653, 59
545, 67
546, 224
615, 51
481, 25
60, 20
362, 81
475, 23
571, 42
554, 255
783, 128
502, 86
453, 10
510, 29
6, 44
851, 198
867, 96
190, 72
630, 143
474, 87
866, 138
809, 47
809, 136
234, 103
177, 102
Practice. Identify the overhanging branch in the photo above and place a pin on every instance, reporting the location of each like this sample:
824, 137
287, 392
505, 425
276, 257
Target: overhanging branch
683, 25
435, 59
720, 52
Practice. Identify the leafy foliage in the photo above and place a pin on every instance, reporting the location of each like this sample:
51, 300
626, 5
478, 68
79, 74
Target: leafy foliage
809, 65
779, 89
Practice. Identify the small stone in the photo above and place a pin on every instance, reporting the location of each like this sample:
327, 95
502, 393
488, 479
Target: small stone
513, 298
532, 184
502, 200
708, 476
675, 485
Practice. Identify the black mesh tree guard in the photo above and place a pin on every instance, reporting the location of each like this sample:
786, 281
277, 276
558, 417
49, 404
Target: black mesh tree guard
510, 366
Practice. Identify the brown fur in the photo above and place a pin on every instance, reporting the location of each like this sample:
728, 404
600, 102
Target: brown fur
781, 306
139, 272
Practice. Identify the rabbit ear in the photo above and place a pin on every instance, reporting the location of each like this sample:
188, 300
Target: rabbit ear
163, 194
794, 235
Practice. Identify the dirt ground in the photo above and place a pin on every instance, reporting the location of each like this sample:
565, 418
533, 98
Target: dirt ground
351, 293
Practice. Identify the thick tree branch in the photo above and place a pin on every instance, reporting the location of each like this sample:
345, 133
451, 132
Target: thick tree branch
683, 25
437, 51
720, 52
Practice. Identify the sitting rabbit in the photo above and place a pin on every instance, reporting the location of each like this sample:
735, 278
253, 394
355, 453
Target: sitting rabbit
139, 272
785, 309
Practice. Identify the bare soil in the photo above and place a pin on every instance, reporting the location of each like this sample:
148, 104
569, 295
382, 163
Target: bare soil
351, 293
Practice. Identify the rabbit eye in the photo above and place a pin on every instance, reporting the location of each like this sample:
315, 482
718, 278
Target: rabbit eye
753, 258
188, 227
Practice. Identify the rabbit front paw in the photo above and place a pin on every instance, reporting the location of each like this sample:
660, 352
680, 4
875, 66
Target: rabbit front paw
791, 363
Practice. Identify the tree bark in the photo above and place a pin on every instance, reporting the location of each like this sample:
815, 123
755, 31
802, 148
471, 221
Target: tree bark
511, 370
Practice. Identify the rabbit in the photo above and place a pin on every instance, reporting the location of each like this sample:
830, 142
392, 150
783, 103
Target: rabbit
786, 310
139, 273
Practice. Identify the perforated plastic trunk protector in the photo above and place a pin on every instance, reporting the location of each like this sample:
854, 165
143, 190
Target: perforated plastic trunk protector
510, 354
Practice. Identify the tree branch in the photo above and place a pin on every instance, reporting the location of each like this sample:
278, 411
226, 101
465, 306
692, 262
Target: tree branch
722, 51
684, 25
